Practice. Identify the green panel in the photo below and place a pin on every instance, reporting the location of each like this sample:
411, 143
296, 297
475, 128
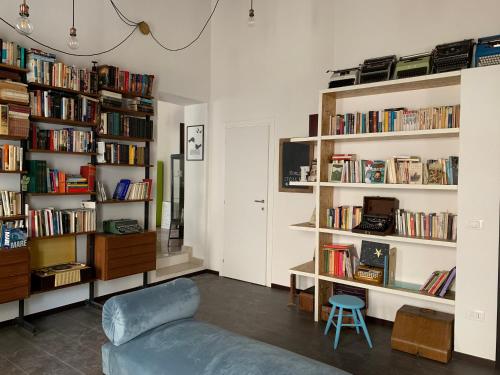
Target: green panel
159, 191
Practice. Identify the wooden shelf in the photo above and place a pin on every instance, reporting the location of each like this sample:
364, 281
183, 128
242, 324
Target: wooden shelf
126, 94
304, 139
62, 235
12, 137
58, 121
13, 68
117, 201
41, 86
392, 238
397, 85
306, 269
399, 288
13, 172
58, 193
300, 183
125, 111
123, 138
3, 101
389, 186
63, 286
415, 134
62, 152
306, 227
124, 165
12, 217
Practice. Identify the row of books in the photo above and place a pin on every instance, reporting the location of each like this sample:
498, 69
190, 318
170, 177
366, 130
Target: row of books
12, 237
113, 77
14, 91
10, 203
69, 140
53, 222
441, 225
439, 282
117, 124
338, 260
46, 180
128, 190
343, 217
64, 106
45, 70
395, 119
138, 104
117, 153
345, 168
13, 54
11, 158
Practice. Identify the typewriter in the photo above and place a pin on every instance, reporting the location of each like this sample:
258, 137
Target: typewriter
344, 77
413, 65
122, 226
378, 216
377, 69
453, 56
488, 51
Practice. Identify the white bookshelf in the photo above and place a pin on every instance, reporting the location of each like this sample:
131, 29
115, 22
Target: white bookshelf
388, 186
413, 134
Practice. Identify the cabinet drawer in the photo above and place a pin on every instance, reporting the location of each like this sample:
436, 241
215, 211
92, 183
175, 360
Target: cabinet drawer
14, 274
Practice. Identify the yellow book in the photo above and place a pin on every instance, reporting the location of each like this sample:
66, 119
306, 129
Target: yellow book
131, 155
386, 121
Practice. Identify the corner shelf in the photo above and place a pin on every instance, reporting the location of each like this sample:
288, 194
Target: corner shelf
305, 269
389, 186
413, 134
41, 86
58, 121
300, 183
304, 139
306, 227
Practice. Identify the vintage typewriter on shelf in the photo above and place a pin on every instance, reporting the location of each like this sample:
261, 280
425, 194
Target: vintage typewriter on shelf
344, 77
488, 51
121, 226
378, 216
413, 65
453, 56
377, 69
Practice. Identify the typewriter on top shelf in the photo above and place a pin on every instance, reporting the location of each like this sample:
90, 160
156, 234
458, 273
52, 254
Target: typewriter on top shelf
377, 69
378, 216
453, 56
344, 77
488, 51
121, 226
413, 65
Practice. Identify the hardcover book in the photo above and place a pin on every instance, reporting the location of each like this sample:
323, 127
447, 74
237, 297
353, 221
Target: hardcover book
415, 172
374, 171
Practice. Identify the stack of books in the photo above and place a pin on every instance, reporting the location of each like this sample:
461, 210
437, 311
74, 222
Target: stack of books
68, 140
145, 105
12, 237
343, 217
117, 153
19, 120
76, 184
14, 92
442, 226
52, 222
13, 54
111, 99
64, 106
11, 158
46, 180
128, 190
338, 260
395, 119
117, 124
10, 203
122, 80
439, 282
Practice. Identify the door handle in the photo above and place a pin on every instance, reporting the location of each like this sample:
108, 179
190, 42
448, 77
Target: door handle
259, 201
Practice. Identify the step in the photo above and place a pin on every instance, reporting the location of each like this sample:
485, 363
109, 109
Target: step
193, 265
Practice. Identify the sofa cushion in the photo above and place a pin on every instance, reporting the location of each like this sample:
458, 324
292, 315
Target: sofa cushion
128, 315
190, 347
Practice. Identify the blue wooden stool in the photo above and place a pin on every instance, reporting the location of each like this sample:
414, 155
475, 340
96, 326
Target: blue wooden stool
352, 303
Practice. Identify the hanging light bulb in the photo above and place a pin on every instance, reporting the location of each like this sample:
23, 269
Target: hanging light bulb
73, 42
251, 15
23, 24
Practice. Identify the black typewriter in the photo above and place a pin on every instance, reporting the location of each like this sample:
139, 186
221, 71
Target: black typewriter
453, 56
378, 216
375, 223
343, 77
377, 69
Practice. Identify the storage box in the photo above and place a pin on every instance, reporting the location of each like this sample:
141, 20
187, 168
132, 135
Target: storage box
306, 300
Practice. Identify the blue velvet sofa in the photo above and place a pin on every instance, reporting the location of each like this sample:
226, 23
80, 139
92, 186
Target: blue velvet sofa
152, 332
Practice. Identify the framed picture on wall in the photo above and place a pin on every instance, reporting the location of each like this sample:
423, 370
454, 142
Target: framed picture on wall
195, 142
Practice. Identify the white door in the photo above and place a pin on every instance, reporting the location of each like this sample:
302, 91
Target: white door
246, 202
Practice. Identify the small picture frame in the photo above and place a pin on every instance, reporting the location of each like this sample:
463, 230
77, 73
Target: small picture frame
195, 142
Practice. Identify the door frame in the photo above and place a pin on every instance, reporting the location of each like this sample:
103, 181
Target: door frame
270, 123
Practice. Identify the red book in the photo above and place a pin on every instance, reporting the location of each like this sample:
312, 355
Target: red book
149, 182
77, 190
89, 172
438, 283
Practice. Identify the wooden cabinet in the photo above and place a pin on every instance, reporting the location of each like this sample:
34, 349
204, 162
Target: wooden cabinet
14, 274
124, 255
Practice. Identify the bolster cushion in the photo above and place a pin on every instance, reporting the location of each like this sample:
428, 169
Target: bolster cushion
129, 315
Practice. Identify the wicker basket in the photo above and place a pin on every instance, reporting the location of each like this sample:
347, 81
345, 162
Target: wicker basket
19, 127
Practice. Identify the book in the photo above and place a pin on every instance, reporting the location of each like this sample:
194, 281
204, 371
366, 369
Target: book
374, 171
4, 119
335, 172
415, 173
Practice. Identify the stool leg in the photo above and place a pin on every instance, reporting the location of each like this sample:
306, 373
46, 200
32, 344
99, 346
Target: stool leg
365, 330
330, 319
356, 320
339, 327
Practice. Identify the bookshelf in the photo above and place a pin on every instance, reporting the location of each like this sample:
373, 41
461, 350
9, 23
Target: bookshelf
61, 122
417, 257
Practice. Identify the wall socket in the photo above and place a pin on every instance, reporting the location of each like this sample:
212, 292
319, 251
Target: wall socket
476, 315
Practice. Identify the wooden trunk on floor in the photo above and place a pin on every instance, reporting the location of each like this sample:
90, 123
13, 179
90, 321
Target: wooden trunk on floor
306, 300
424, 332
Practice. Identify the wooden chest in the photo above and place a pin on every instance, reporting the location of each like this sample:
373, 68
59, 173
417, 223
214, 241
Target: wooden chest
306, 300
14, 274
425, 332
124, 255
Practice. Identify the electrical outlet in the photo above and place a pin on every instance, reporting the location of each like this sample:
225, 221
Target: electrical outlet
475, 315
476, 224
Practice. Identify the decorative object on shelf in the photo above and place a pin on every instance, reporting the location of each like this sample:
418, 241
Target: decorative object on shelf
343, 77
13, 238
23, 24
453, 56
413, 65
121, 226
73, 42
313, 125
378, 216
313, 171
195, 142
488, 51
292, 156
382, 256
251, 15
377, 69
304, 172
60, 275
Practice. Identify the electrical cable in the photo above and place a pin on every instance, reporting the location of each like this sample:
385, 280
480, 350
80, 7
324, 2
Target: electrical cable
122, 16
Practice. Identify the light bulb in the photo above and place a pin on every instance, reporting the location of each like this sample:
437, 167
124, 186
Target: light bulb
23, 25
73, 42
251, 17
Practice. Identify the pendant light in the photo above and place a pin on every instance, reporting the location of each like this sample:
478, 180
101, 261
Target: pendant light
23, 24
251, 15
73, 40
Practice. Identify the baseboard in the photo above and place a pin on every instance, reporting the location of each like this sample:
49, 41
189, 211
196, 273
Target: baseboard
281, 287
480, 361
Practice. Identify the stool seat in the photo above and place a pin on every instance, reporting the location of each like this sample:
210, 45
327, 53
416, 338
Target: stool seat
346, 301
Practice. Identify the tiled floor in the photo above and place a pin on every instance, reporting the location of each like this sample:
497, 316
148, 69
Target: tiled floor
69, 341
